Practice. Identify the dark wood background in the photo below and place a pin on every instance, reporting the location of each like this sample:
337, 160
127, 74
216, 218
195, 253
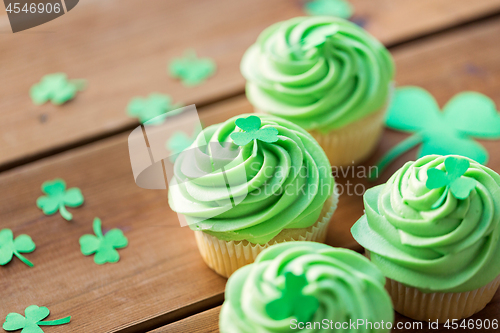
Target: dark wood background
122, 48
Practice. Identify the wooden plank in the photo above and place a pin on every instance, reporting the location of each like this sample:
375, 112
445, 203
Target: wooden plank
208, 321
122, 49
161, 277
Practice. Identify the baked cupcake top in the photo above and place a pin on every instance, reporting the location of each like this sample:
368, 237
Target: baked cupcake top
321, 73
435, 225
304, 282
276, 177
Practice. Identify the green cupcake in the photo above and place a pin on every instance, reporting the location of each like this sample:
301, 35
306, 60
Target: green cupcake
251, 182
305, 286
326, 75
433, 229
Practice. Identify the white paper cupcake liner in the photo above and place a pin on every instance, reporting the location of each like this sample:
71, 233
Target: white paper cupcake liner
415, 304
225, 257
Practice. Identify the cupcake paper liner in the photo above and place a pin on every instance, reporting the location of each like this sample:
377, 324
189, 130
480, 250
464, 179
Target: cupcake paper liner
415, 304
225, 257
352, 143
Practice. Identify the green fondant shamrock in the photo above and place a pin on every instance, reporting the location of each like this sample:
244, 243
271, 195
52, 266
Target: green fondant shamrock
452, 178
58, 198
55, 88
467, 115
31, 322
338, 8
103, 246
10, 247
191, 69
154, 109
252, 131
292, 301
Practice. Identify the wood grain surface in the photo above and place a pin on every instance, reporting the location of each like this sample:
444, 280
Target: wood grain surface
161, 278
122, 48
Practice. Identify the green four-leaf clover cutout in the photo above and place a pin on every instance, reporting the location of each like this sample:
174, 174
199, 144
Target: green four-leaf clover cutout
452, 179
32, 320
338, 8
192, 70
104, 246
57, 198
154, 109
292, 301
252, 131
467, 115
10, 247
55, 88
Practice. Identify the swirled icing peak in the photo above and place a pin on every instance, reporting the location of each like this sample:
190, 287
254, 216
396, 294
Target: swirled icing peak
304, 282
277, 178
435, 224
319, 72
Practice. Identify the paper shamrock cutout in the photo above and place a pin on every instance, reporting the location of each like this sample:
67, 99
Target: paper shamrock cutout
103, 245
58, 198
292, 301
154, 109
55, 88
191, 69
252, 131
31, 322
338, 8
467, 115
178, 142
451, 178
10, 247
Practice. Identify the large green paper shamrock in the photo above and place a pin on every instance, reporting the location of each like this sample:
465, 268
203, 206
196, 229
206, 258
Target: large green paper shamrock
252, 131
292, 301
338, 8
451, 178
58, 198
466, 115
191, 69
154, 109
55, 88
32, 321
10, 247
103, 246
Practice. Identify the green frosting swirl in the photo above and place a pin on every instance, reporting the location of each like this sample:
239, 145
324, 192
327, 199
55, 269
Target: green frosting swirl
452, 248
344, 283
272, 186
321, 73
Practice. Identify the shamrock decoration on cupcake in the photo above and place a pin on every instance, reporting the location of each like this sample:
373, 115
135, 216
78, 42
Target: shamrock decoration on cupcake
452, 178
252, 131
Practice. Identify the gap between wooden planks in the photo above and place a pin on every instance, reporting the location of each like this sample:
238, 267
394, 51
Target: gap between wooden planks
161, 277
122, 49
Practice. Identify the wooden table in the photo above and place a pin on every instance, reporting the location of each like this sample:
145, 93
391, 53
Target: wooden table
122, 48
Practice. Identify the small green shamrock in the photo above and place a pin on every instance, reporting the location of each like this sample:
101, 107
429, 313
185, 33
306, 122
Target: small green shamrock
451, 178
252, 131
103, 246
467, 115
178, 142
154, 109
292, 301
55, 88
58, 198
32, 321
191, 69
338, 8
10, 247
